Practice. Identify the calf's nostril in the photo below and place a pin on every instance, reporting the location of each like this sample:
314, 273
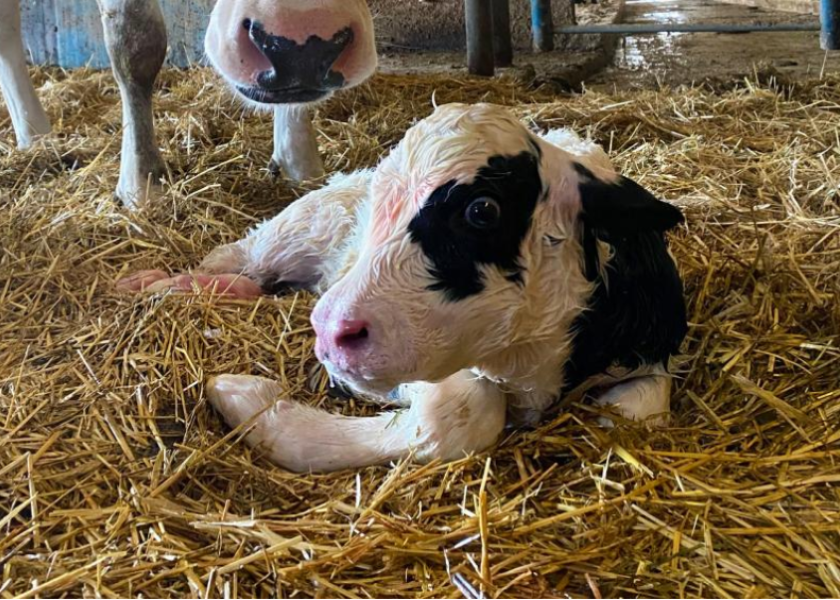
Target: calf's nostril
352, 334
246, 24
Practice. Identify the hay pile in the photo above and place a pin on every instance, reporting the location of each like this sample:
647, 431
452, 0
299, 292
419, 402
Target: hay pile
116, 479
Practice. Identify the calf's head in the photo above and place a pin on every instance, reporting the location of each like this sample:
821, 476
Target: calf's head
483, 246
291, 51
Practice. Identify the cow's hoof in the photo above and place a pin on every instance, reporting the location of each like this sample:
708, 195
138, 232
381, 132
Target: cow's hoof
133, 198
301, 170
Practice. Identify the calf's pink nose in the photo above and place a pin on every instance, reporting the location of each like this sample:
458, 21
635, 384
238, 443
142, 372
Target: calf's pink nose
351, 334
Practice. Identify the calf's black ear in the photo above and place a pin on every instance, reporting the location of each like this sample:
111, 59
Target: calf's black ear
623, 206
636, 314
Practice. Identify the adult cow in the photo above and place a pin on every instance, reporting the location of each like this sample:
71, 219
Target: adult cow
280, 54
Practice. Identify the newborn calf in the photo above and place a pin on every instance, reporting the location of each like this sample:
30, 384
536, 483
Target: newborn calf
477, 275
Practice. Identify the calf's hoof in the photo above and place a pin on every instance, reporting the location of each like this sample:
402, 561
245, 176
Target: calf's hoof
239, 397
141, 280
646, 400
231, 285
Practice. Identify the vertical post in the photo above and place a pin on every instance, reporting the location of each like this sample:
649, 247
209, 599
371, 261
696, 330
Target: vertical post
479, 37
542, 27
830, 22
502, 45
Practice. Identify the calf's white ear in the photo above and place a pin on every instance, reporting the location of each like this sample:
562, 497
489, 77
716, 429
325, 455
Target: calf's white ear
622, 206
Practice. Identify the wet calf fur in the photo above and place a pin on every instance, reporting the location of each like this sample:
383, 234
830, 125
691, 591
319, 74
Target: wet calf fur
479, 274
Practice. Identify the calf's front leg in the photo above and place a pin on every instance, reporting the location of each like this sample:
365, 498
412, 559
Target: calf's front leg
135, 36
303, 246
28, 117
446, 420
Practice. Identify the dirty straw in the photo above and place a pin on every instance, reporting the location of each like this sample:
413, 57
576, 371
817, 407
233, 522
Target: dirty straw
116, 478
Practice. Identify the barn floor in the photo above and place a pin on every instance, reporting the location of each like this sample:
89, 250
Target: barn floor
116, 479
651, 60
681, 58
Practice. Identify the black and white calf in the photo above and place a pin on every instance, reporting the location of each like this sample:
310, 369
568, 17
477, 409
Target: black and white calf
478, 274
277, 54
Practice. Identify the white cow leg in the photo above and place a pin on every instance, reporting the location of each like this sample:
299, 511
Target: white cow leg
295, 145
645, 399
446, 420
135, 35
28, 117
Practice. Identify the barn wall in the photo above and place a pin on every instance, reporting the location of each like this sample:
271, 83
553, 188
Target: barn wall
69, 32
440, 24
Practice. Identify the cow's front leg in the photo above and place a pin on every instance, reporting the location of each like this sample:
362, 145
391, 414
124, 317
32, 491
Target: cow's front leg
28, 117
302, 246
446, 421
295, 146
646, 398
135, 36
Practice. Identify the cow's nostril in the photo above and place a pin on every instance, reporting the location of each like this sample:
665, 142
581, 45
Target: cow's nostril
246, 24
352, 334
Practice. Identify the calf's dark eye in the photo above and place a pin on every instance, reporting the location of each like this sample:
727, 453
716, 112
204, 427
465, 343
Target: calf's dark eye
483, 213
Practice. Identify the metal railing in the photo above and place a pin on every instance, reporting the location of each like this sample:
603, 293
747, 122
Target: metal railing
637, 28
489, 37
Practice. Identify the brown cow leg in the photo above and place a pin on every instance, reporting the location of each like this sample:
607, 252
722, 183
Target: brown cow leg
135, 35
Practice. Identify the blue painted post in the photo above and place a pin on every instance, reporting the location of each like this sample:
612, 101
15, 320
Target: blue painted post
542, 27
830, 21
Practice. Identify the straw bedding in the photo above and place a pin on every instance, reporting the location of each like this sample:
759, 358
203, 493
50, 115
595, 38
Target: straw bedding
117, 479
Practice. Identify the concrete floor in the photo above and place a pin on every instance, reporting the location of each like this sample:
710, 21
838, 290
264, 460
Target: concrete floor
643, 61
678, 58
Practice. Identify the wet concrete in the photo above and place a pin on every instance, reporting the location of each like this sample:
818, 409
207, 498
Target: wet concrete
575, 59
651, 60
683, 58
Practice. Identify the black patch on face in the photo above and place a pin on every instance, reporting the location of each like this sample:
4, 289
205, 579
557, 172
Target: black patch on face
457, 250
637, 316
